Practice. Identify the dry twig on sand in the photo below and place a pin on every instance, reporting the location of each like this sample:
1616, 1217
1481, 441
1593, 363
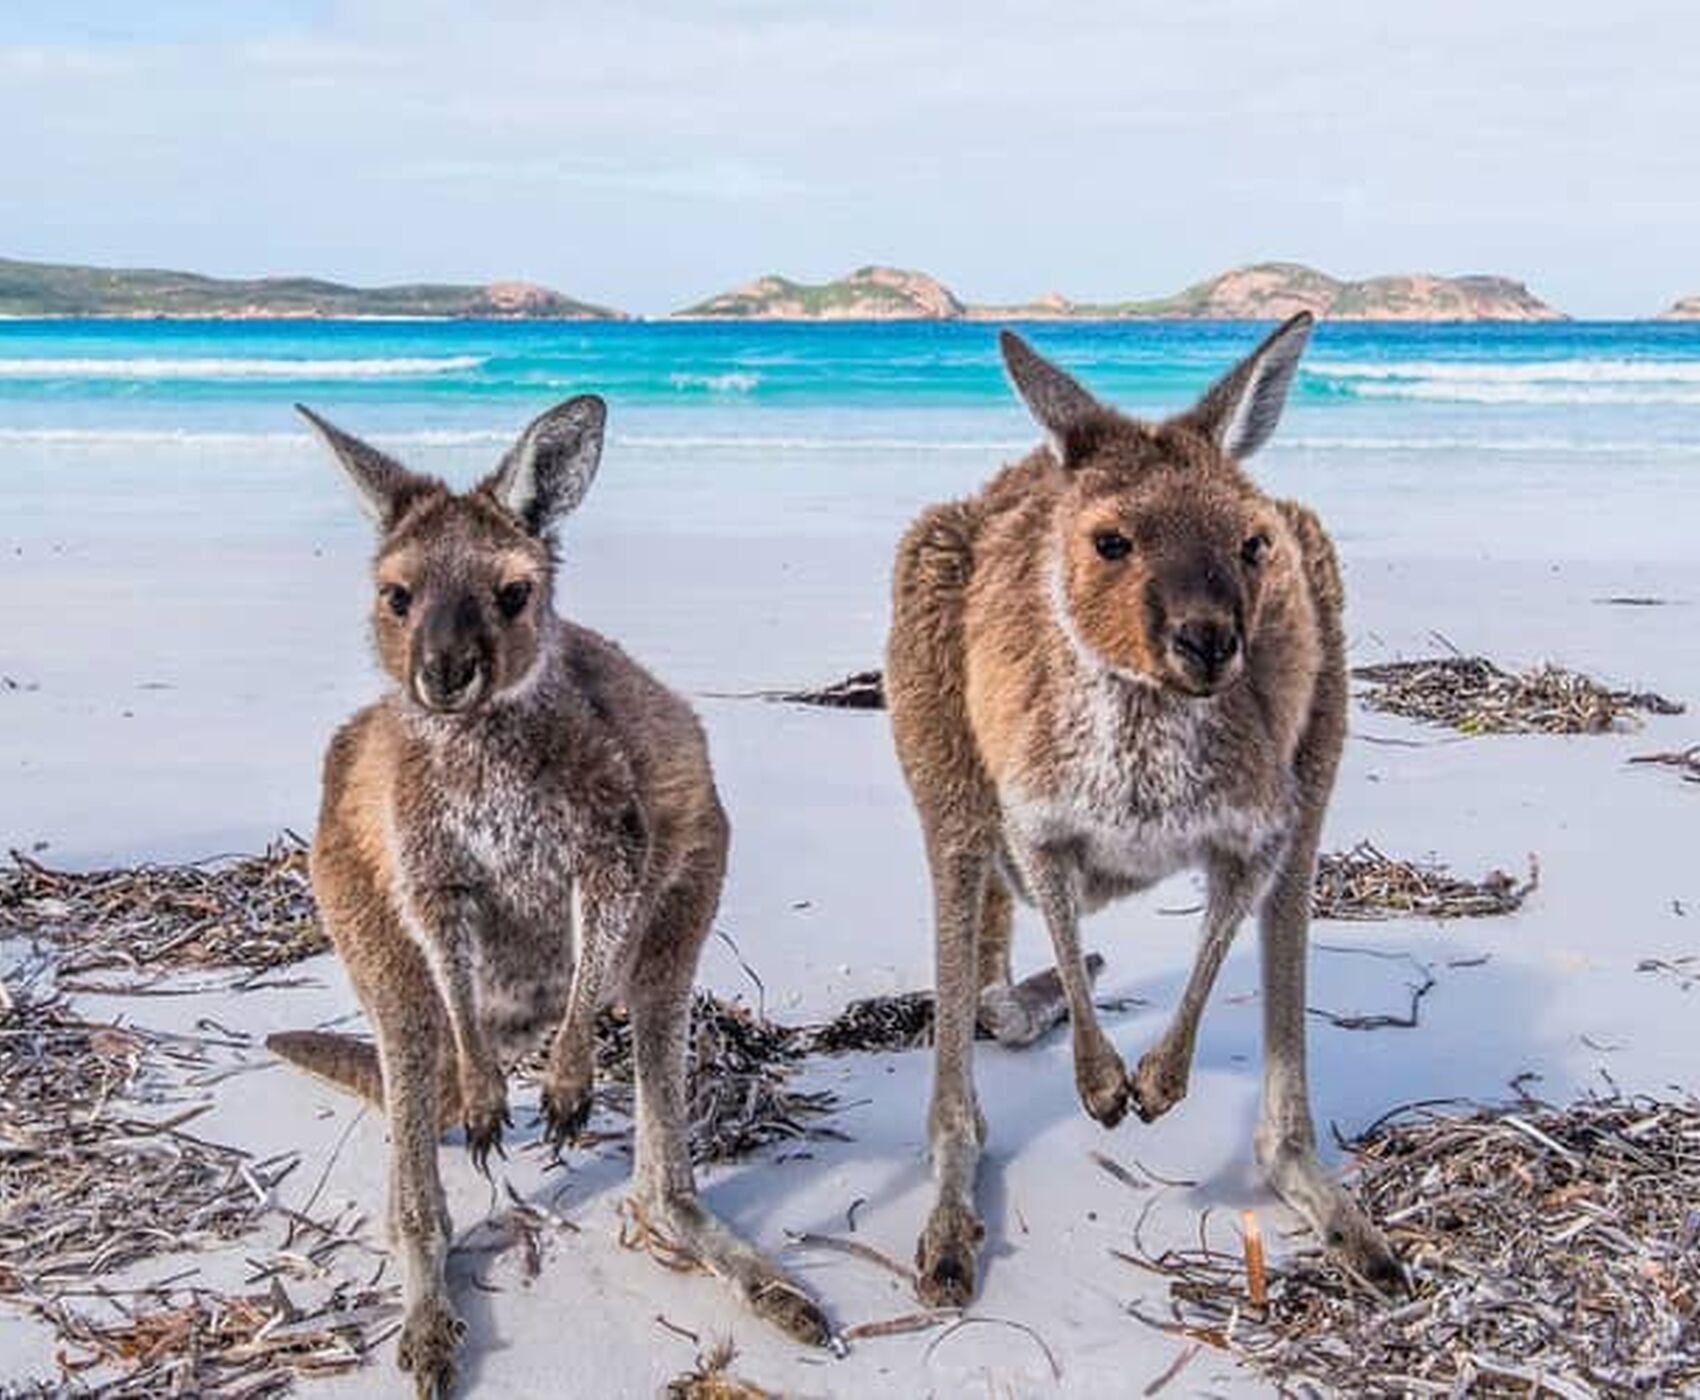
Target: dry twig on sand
1685, 761
1364, 884
237, 911
1474, 696
1552, 1252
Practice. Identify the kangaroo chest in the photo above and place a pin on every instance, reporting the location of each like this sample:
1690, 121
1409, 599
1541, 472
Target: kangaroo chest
1139, 786
504, 840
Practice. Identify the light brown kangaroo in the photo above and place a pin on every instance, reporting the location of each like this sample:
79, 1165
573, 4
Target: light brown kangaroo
1117, 661
523, 829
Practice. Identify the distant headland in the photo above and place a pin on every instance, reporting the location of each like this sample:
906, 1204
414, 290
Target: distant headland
55, 289
1256, 292
1262, 291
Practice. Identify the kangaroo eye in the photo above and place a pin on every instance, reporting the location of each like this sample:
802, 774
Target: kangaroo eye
1112, 544
1255, 550
511, 598
398, 598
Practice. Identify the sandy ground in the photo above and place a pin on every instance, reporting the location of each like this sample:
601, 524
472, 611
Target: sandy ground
174, 694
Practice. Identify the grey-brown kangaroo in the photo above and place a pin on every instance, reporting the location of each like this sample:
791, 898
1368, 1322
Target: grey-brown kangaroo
523, 829
1117, 661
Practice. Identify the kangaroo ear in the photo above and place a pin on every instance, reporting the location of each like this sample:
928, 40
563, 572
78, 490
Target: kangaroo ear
1240, 410
1072, 419
547, 472
381, 484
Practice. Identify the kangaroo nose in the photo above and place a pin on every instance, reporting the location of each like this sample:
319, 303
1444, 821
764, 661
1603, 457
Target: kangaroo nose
448, 679
1206, 647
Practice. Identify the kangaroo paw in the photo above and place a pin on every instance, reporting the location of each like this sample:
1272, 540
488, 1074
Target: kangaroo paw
946, 1257
429, 1339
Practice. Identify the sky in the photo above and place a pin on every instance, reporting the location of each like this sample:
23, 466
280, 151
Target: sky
646, 155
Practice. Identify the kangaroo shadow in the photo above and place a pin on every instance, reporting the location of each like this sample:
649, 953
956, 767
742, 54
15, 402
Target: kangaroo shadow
1400, 1013
1475, 1028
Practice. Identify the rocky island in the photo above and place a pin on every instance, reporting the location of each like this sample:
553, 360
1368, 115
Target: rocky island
867, 294
1270, 291
54, 289
1262, 291
1686, 309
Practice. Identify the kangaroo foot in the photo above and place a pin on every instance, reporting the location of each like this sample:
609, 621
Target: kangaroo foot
771, 1293
946, 1257
429, 1339
1101, 1078
566, 1110
484, 1112
1159, 1083
1339, 1221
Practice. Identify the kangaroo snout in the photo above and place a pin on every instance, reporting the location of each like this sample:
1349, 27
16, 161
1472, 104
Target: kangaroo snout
449, 681
450, 668
1207, 650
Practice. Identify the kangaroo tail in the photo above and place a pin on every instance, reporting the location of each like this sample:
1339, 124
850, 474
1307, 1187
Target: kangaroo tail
344, 1061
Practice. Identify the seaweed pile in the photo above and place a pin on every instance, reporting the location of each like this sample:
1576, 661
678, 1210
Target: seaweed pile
98, 1173
1474, 696
1551, 1251
1363, 884
248, 912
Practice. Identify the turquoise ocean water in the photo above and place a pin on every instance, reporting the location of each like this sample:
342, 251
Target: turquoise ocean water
1571, 436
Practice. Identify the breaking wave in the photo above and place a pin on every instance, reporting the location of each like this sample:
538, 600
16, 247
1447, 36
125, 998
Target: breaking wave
159, 367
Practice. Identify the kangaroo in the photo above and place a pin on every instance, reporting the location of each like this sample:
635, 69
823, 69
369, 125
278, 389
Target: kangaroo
1117, 661
524, 828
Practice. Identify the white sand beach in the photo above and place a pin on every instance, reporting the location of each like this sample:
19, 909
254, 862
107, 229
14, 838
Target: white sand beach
170, 691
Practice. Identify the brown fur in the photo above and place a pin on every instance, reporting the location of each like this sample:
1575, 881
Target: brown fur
1117, 660
525, 828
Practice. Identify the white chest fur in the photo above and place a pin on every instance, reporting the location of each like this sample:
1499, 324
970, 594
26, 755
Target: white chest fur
1137, 791
506, 836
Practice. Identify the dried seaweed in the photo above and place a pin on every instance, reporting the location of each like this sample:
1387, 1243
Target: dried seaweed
97, 1173
712, 1378
1552, 1251
201, 1342
88, 1182
900, 1022
251, 912
1365, 884
738, 1080
1474, 696
862, 690
1685, 761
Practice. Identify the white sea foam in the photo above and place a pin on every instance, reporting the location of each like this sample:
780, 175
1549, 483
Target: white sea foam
732, 382
1572, 371
1543, 395
195, 367
1637, 382
755, 443
994, 449
191, 437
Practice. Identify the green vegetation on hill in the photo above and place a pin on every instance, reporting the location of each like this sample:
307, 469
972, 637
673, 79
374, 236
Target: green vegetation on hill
51, 289
1277, 289
868, 293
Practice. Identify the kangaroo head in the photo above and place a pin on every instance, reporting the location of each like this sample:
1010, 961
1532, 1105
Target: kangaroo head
464, 580
1165, 552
